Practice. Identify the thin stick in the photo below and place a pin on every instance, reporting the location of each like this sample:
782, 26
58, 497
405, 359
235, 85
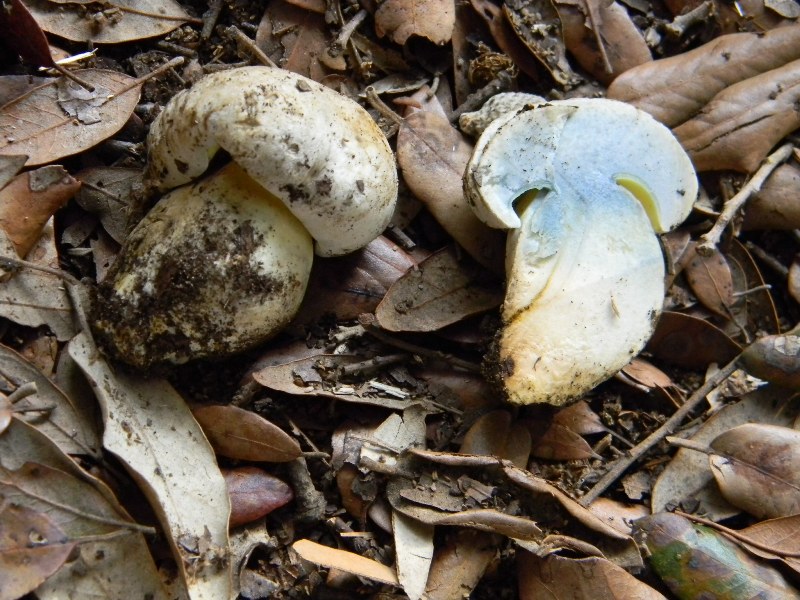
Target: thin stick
23, 391
337, 46
668, 428
709, 241
250, 46
72, 77
167, 66
379, 105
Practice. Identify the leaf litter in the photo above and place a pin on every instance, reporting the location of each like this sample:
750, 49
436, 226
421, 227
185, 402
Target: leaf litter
407, 469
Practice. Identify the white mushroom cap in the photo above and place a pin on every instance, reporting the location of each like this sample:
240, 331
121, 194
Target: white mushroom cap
316, 150
213, 269
592, 181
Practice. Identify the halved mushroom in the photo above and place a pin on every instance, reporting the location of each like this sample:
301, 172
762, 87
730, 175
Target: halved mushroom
583, 185
222, 265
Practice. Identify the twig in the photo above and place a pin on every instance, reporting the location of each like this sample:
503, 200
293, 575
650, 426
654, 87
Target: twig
23, 391
337, 46
167, 66
250, 46
732, 533
421, 350
373, 363
210, 18
379, 105
708, 241
681, 23
669, 427
769, 260
72, 77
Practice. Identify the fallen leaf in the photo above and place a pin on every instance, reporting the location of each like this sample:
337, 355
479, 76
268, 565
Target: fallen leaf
32, 548
243, 435
10, 165
675, 89
254, 493
780, 536
588, 24
29, 200
460, 563
59, 118
618, 515
556, 576
580, 418
687, 480
413, 542
697, 562
444, 290
401, 19
345, 561
107, 193
432, 155
162, 445
758, 469
496, 434
23, 35
690, 342
560, 443
537, 24
113, 22
647, 374
710, 279
774, 358
772, 207
740, 125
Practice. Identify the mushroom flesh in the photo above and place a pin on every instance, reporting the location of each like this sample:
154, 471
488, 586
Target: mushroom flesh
583, 186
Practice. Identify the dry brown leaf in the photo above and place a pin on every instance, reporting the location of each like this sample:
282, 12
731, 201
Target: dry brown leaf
559, 443
301, 40
467, 26
413, 542
116, 21
444, 290
690, 342
589, 23
23, 36
580, 418
351, 285
758, 469
675, 89
348, 562
740, 125
754, 309
620, 516
243, 435
687, 479
107, 193
460, 563
29, 200
254, 493
710, 279
560, 577
647, 374
774, 358
495, 434
401, 19
162, 445
775, 205
10, 165
432, 155
505, 38
538, 26
781, 536
60, 118
68, 424
32, 548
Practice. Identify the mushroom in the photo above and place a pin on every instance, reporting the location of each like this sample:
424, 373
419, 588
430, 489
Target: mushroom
583, 186
221, 265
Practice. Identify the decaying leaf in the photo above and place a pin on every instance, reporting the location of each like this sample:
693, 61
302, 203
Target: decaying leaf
114, 22
774, 539
444, 290
402, 19
687, 480
107, 193
560, 577
32, 548
432, 155
676, 88
774, 358
414, 546
163, 446
460, 563
28, 202
496, 434
244, 435
10, 165
254, 493
23, 36
710, 279
696, 562
690, 342
774, 206
60, 118
758, 469
602, 37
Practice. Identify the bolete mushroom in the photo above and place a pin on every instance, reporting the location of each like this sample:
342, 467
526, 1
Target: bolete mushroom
221, 265
583, 186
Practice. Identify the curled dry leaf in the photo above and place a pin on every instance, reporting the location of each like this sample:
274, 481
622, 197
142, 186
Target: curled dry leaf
675, 89
432, 155
697, 562
133, 20
758, 469
32, 548
774, 358
348, 562
402, 19
60, 118
254, 493
444, 290
560, 577
244, 435
29, 200
602, 37
774, 206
